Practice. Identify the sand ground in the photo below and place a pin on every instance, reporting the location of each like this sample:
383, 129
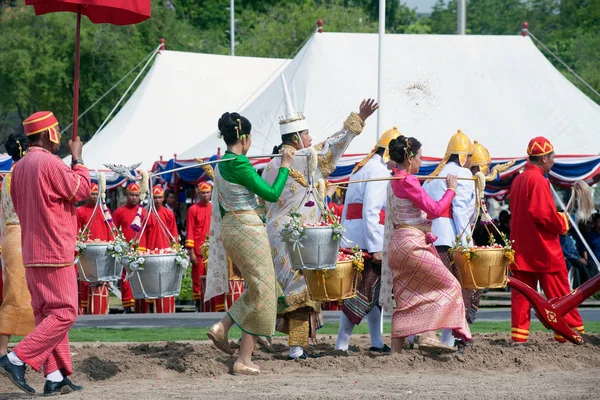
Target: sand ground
490, 369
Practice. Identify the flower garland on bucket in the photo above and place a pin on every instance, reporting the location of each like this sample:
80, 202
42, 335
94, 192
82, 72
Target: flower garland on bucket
136, 224
102, 188
135, 258
470, 250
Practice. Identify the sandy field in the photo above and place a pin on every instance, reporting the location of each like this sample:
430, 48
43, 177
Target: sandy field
490, 369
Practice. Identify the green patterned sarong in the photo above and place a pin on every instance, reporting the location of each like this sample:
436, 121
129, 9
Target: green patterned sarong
245, 240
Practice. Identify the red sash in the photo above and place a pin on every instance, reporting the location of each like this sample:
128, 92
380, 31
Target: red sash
354, 211
445, 214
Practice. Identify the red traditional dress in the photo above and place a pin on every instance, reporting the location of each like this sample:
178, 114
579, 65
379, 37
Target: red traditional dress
157, 239
123, 217
45, 190
93, 298
198, 227
535, 229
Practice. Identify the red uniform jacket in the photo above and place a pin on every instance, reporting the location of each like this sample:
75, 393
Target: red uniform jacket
99, 229
535, 223
156, 238
123, 217
44, 190
198, 226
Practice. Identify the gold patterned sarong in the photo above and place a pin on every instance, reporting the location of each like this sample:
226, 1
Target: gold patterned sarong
245, 241
427, 296
16, 314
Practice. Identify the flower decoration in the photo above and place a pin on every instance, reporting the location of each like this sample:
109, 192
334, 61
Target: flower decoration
83, 237
136, 224
119, 247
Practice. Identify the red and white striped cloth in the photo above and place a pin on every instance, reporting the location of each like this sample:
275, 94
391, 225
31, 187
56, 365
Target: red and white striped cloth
54, 298
44, 191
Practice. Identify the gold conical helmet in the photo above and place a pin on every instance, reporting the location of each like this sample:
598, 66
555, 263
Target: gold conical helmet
459, 144
481, 157
384, 142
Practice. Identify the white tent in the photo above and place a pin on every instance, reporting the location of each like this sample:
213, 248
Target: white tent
178, 104
500, 90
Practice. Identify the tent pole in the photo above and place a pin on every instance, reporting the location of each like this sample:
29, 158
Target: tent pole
76, 77
379, 64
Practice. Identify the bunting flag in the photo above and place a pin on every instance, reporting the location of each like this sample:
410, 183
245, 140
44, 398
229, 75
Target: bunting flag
567, 169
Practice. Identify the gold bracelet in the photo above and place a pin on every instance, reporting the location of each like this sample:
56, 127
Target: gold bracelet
354, 123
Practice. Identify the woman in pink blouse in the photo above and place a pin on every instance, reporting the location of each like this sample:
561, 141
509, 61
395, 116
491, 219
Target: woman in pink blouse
428, 297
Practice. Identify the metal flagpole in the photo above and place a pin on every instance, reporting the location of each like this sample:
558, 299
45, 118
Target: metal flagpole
379, 65
461, 17
232, 28
380, 90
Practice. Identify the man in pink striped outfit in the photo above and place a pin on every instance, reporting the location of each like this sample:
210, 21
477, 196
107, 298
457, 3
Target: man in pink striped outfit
44, 190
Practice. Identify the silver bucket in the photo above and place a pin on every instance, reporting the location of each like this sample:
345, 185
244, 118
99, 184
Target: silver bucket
320, 251
97, 265
159, 276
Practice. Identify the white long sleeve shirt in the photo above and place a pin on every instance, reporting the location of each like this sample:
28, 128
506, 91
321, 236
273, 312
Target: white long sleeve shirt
463, 205
367, 232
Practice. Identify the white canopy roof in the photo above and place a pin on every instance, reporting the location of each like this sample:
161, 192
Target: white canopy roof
500, 90
178, 104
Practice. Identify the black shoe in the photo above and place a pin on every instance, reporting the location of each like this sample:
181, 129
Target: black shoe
127, 310
306, 355
384, 349
198, 306
16, 373
63, 387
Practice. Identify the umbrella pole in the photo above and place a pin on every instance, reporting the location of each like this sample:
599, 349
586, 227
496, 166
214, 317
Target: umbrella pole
76, 77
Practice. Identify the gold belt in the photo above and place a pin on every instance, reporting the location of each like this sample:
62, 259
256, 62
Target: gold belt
12, 224
423, 230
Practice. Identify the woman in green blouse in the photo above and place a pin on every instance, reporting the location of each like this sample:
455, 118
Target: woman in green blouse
238, 230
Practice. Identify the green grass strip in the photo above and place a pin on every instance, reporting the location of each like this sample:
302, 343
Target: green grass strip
172, 334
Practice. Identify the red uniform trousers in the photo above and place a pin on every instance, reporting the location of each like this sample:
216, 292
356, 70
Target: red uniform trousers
198, 270
83, 287
554, 284
222, 302
164, 305
142, 306
126, 293
54, 302
97, 298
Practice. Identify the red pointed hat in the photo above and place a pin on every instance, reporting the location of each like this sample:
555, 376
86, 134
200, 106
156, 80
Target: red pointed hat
158, 191
204, 187
539, 146
133, 188
40, 122
94, 188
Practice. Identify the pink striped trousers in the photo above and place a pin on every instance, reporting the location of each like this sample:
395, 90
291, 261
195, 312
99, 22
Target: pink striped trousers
54, 298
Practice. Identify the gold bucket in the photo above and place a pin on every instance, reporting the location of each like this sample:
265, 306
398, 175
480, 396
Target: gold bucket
334, 284
483, 268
